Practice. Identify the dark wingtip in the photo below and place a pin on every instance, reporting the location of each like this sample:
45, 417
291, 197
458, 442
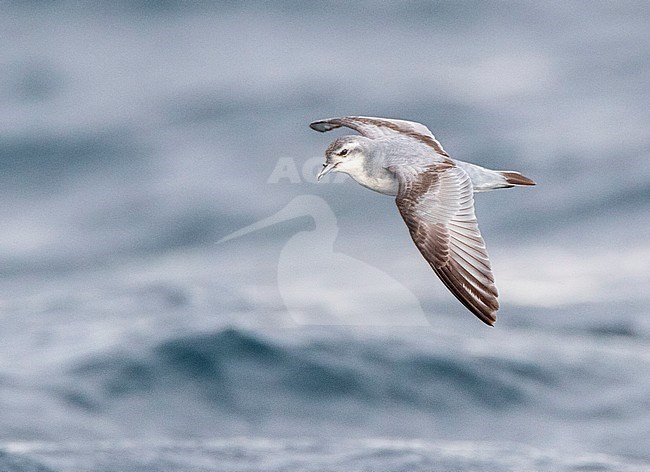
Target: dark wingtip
489, 318
322, 126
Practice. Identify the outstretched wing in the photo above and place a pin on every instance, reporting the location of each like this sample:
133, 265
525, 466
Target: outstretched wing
438, 208
379, 127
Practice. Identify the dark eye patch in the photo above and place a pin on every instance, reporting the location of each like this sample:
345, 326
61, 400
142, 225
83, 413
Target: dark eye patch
343, 152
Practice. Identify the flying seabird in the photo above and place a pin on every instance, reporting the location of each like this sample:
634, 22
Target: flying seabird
434, 195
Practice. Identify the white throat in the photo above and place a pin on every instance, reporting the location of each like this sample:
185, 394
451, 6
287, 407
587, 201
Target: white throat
374, 177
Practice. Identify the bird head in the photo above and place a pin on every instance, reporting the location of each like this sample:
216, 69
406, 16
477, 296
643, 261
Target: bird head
344, 155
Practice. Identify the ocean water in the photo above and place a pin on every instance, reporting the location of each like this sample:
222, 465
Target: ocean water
135, 137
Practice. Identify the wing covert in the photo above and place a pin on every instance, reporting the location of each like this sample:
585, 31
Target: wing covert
373, 128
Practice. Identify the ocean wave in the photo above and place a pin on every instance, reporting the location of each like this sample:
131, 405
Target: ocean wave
232, 365
248, 454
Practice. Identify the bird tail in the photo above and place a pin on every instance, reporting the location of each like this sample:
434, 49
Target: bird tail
487, 179
515, 178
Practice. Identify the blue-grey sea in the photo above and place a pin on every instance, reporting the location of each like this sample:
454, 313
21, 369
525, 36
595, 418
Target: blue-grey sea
136, 135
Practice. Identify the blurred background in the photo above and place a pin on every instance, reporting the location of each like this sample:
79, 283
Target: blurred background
134, 135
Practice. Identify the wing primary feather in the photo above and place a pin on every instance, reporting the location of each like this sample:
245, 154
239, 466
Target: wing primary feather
376, 127
438, 208
485, 315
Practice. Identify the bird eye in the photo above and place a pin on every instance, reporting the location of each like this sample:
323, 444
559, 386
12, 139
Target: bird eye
343, 152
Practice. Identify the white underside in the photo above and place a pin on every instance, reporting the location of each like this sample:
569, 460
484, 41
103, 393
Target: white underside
386, 182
